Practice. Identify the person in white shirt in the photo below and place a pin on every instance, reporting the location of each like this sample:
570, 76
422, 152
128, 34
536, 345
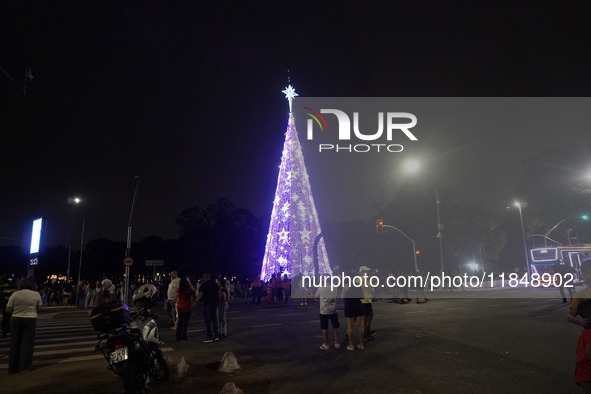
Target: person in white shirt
24, 305
327, 297
172, 294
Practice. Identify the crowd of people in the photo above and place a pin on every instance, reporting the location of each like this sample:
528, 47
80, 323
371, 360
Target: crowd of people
20, 301
182, 297
85, 294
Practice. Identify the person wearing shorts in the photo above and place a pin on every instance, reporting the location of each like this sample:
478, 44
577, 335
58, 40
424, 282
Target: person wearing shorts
367, 306
354, 314
327, 298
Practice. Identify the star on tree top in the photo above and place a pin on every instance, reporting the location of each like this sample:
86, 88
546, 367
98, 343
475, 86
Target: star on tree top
290, 94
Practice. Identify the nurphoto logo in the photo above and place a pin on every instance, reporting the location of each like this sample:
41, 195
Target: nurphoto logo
396, 124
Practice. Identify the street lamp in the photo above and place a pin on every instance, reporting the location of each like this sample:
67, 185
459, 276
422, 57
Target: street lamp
439, 228
519, 205
572, 210
586, 178
128, 248
77, 201
412, 166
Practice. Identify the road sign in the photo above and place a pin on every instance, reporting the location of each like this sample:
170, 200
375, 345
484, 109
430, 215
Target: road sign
154, 263
128, 261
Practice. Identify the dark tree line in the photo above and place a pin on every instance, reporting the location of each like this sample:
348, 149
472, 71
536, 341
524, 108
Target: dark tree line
219, 238
222, 238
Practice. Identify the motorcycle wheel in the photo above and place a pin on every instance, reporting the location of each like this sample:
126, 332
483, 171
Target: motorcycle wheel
134, 379
159, 371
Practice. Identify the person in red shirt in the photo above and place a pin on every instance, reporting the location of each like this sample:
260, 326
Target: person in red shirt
257, 289
286, 288
184, 305
276, 288
583, 366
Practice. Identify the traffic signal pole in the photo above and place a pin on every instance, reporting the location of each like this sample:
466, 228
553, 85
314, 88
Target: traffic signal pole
380, 227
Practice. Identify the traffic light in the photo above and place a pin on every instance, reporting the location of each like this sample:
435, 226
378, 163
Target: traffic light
418, 252
584, 216
379, 226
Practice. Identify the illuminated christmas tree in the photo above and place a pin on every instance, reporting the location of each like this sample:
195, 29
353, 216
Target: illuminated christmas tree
294, 227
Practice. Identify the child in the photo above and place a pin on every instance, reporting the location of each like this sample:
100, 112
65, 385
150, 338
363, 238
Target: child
583, 366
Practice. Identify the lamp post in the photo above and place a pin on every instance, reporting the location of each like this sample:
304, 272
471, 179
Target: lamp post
439, 228
519, 205
585, 180
81, 247
77, 201
128, 248
412, 166
572, 209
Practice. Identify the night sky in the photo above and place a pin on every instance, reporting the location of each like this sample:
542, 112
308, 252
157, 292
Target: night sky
187, 95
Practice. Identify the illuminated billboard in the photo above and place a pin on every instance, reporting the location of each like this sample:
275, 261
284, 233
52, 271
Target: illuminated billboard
36, 235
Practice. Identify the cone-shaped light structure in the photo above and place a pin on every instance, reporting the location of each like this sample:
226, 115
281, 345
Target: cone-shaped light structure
294, 232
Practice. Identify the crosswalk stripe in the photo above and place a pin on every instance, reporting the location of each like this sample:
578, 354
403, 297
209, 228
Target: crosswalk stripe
57, 342
64, 351
53, 326
63, 328
61, 344
68, 339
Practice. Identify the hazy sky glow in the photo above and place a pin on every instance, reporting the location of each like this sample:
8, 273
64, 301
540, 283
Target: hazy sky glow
474, 145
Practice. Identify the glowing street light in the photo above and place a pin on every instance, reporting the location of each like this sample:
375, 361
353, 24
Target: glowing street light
74, 200
411, 166
519, 205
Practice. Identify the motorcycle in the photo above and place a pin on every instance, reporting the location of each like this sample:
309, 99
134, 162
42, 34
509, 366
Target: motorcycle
129, 341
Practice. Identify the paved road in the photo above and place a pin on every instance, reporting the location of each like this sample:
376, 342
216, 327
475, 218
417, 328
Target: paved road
451, 345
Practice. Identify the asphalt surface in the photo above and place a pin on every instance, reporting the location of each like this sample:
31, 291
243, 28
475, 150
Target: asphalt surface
448, 345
